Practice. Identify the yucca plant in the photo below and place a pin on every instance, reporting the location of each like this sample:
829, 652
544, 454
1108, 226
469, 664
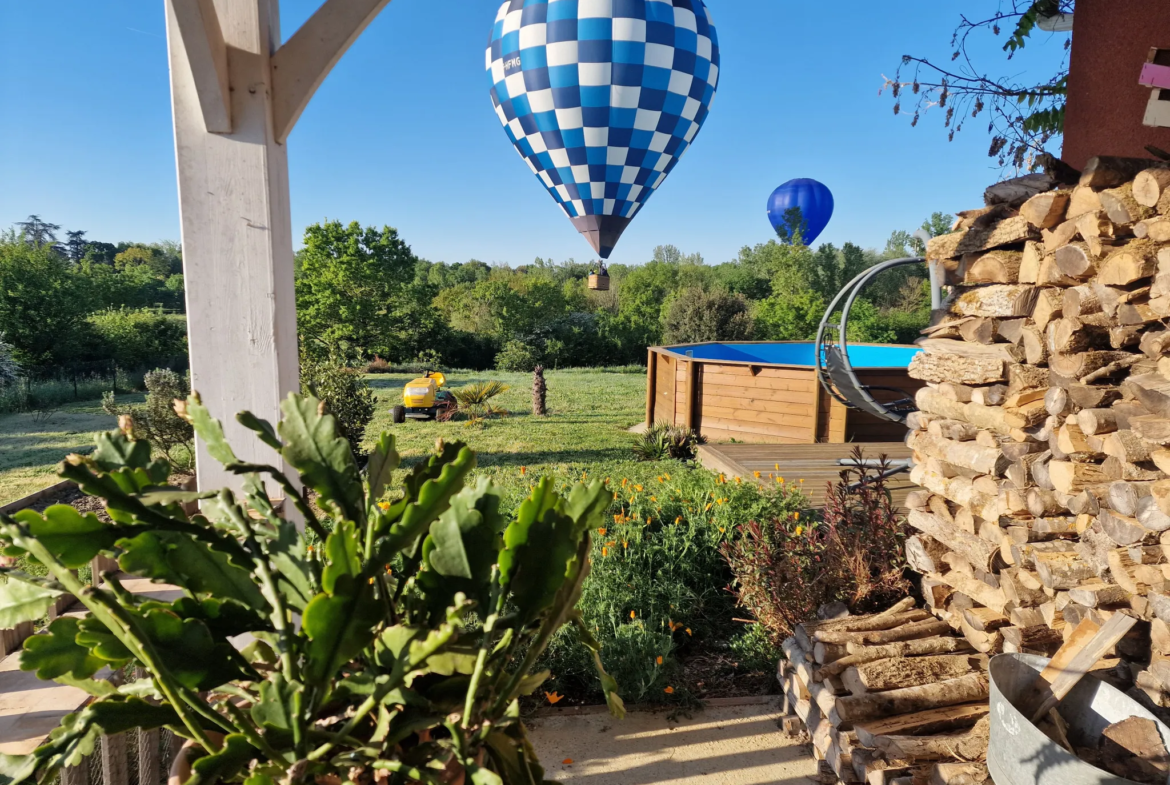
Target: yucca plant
475, 401
391, 641
663, 440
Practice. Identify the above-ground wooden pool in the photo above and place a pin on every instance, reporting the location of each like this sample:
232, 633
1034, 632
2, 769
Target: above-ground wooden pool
768, 392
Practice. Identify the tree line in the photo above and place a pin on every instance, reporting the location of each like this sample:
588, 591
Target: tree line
363, 296
362, 292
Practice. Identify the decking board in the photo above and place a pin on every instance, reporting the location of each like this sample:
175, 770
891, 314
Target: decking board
816, 464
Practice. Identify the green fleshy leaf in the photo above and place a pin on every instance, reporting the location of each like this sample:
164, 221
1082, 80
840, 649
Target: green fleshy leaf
233, 756
538, 549
339, 626
172, 557
21, 602
383, 461
94, 635
98, 689
187, 648
609, 685
324, 459
75, 539
342, 555
427, 499
262, 428
209, 430
289, 558
15, 769
115, 450
279, 704
169, 496
224, 618
57, 653
531, 683
77, 735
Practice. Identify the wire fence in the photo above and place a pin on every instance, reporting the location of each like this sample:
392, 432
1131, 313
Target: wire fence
50, 388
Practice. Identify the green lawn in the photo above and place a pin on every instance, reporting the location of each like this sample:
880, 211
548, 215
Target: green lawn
585, 430
33, 443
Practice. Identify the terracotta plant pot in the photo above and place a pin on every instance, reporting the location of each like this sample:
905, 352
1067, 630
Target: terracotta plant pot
181, 765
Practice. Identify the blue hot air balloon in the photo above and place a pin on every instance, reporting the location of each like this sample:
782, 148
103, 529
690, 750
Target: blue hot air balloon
601, 98
814, 200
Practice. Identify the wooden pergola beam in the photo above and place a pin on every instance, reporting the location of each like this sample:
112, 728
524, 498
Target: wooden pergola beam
198, 26
236, 93
302, 63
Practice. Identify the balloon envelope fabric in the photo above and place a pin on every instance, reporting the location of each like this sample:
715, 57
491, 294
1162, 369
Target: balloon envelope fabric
601, 98
814, 200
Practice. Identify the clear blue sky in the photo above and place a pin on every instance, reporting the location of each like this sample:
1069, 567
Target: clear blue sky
403, 132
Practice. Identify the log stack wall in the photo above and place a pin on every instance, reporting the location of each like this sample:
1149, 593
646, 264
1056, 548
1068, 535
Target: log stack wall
1041, 448
1042, 440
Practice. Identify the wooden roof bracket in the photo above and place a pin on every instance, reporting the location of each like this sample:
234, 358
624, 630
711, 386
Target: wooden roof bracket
298, 67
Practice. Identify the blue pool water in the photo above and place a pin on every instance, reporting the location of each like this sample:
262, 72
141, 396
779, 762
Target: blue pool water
860, 355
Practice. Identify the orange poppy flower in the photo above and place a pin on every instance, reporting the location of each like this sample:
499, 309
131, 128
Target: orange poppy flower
669, 690
523, 470
553, 697
659, 660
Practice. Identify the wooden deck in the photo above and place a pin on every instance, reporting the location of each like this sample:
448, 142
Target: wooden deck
31, 708
815, 464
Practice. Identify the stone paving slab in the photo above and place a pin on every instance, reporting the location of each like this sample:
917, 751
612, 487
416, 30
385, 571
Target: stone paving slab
721, 745
31, 708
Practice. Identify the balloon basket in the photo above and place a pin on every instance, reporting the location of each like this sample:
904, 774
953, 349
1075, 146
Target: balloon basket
599, 283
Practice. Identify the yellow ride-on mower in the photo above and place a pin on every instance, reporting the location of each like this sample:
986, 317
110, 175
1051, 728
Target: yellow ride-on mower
423, 399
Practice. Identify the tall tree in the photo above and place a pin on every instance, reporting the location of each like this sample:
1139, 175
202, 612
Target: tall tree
38, 232
1026, 112
39, 313
75, 245
351, 285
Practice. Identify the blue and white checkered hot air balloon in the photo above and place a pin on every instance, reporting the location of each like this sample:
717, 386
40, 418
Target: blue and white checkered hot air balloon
602, 97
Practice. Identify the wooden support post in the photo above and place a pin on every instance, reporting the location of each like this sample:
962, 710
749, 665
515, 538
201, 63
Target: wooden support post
651, 384
236, 93
149, 763
77, 775
115, 767
692, 393
838, 413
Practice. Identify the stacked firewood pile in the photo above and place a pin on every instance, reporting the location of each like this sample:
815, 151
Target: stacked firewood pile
1042, 441
1042, 452
896, 697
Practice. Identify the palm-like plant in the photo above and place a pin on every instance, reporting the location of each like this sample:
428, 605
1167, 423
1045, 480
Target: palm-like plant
475, 401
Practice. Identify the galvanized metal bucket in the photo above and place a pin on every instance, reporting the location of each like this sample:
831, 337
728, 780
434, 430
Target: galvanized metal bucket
1020, 754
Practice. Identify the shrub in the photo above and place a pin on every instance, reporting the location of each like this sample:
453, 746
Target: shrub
392, 647
696, 315
9, 368
663, 440
786, 567
346, 395
657, 586
138, 338
516, 356
156, 420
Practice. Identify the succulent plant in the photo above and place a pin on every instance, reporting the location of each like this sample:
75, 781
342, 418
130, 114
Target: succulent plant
390, 638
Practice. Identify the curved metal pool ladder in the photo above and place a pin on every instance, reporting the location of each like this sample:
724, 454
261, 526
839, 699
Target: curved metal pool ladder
835, 372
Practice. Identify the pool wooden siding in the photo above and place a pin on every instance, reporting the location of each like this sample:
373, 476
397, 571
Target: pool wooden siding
726, 400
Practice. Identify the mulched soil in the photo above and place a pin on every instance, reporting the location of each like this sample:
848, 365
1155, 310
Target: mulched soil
715, 674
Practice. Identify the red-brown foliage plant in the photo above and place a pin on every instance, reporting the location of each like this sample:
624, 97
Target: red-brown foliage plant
784, 569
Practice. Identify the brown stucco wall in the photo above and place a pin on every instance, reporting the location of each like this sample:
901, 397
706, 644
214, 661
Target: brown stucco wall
1105, 103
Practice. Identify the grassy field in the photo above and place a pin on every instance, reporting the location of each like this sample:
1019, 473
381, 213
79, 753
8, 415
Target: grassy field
33, 443
586, 429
